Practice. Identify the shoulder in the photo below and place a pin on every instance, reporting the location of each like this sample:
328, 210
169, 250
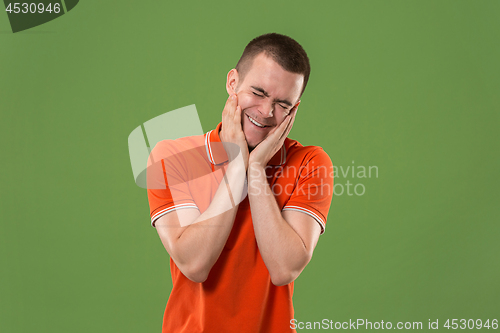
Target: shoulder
181, 143
186, 145
180, 150
297, 154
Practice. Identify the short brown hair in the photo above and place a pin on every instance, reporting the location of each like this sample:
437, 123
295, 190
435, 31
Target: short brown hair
282, 49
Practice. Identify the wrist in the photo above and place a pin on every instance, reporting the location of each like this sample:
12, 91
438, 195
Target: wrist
255, 162
221, 137
256, 170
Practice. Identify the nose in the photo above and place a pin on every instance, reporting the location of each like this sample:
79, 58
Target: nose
266, 110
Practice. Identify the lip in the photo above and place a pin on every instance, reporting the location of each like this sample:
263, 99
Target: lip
261, 128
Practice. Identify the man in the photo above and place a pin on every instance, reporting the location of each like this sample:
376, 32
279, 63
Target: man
234, 257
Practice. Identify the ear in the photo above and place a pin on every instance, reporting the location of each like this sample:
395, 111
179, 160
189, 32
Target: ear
296, 106
232, 81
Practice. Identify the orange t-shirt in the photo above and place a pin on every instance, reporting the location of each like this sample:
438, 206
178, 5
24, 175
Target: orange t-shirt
238, 295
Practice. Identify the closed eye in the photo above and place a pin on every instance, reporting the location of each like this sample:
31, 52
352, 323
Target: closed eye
257, 94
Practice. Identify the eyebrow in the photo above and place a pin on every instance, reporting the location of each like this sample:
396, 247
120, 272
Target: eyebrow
261, 90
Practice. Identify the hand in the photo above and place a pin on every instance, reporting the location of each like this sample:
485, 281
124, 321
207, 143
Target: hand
265, 150
232, 131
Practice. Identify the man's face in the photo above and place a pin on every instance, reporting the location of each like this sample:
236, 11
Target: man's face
266, 96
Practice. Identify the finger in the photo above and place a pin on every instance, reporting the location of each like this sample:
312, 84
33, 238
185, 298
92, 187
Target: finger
287, 128
237, 115
290, 122
276, 133
230, 105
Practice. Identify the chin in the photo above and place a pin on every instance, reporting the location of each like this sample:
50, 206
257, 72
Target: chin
252, 143
251, 147
250, 140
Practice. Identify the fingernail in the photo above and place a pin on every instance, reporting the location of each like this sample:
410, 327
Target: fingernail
233, 97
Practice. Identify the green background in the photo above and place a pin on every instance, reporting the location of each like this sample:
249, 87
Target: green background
411, 87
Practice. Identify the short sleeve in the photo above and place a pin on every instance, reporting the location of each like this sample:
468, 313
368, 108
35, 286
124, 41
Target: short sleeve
314, 190
167, 181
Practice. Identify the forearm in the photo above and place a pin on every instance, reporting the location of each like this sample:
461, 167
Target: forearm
283, 251
198, 247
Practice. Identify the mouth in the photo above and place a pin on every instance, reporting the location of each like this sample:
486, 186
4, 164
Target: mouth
256, 123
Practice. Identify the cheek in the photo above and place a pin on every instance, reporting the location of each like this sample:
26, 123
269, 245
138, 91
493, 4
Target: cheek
246, 102
280, 117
